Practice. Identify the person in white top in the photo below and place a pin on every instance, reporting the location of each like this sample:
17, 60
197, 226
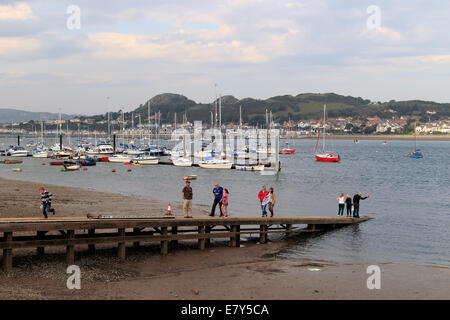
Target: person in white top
341, 202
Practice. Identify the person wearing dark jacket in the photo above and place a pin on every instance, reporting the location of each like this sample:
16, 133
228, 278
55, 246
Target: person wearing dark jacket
348, 202
46, 202
356, 199
217, 192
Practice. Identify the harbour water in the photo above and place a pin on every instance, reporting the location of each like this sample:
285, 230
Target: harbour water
409, 198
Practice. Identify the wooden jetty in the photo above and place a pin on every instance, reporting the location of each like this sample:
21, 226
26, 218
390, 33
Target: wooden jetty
70, 232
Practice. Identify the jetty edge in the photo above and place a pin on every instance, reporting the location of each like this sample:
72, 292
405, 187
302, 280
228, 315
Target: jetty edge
71, 231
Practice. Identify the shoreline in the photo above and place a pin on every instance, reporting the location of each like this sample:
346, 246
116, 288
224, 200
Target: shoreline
252, 271
397, 137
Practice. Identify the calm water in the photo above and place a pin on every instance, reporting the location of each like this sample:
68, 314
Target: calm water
410, 198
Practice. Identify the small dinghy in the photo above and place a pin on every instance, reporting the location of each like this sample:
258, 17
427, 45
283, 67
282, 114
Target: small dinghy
7, 161
72, 167
57, 163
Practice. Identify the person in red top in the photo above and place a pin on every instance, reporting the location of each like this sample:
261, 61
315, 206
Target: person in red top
264, 198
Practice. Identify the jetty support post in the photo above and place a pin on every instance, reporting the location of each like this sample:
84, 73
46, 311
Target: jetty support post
164, 243
136, 232
208, 240
174, 231
41, 236
91, 233
121, 246
289, 230
7, 252
201, 241
263, 233
70, 249
235, 239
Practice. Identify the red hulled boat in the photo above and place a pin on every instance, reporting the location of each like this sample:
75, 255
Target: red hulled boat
325, 156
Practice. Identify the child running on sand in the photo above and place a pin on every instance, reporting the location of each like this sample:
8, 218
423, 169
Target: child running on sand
46, 202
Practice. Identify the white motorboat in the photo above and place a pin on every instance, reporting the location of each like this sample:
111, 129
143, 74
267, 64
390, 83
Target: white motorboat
104, 149
40, 154
216, 164
18, 152
181, 162
146, 160
119, 158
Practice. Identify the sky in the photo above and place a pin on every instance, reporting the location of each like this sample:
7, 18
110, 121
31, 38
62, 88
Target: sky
54, 57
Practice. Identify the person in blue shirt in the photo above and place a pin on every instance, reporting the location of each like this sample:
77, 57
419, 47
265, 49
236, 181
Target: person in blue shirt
217, 192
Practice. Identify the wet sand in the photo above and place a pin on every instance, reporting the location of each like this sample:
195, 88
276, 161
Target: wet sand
220, 272
22, 199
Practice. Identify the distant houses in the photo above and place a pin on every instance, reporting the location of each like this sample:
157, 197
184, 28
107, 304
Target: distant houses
338, 125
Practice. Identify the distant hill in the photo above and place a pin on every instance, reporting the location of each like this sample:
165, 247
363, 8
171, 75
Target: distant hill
14, 115
301, 106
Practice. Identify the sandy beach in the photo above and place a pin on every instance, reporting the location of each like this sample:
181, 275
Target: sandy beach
220, 272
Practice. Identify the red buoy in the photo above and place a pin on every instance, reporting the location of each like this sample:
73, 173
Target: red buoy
43, 164
129, 170
85, 169
113, 170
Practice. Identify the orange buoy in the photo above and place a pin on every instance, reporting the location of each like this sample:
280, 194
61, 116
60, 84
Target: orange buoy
113, 170
169, 209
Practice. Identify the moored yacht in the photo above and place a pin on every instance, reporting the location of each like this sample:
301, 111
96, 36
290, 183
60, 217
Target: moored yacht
216, 164
119, 158
103, 149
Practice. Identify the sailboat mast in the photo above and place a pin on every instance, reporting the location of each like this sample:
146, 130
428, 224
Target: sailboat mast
149, 123
109, 120
220, 111
175, 124
67, 128
240, 117
215, 105
212, 121
415, 136
323, 146
42, 130
123, 129
267, 133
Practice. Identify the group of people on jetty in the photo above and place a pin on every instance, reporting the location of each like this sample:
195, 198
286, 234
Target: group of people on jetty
220, 194
347, 201
220, 198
